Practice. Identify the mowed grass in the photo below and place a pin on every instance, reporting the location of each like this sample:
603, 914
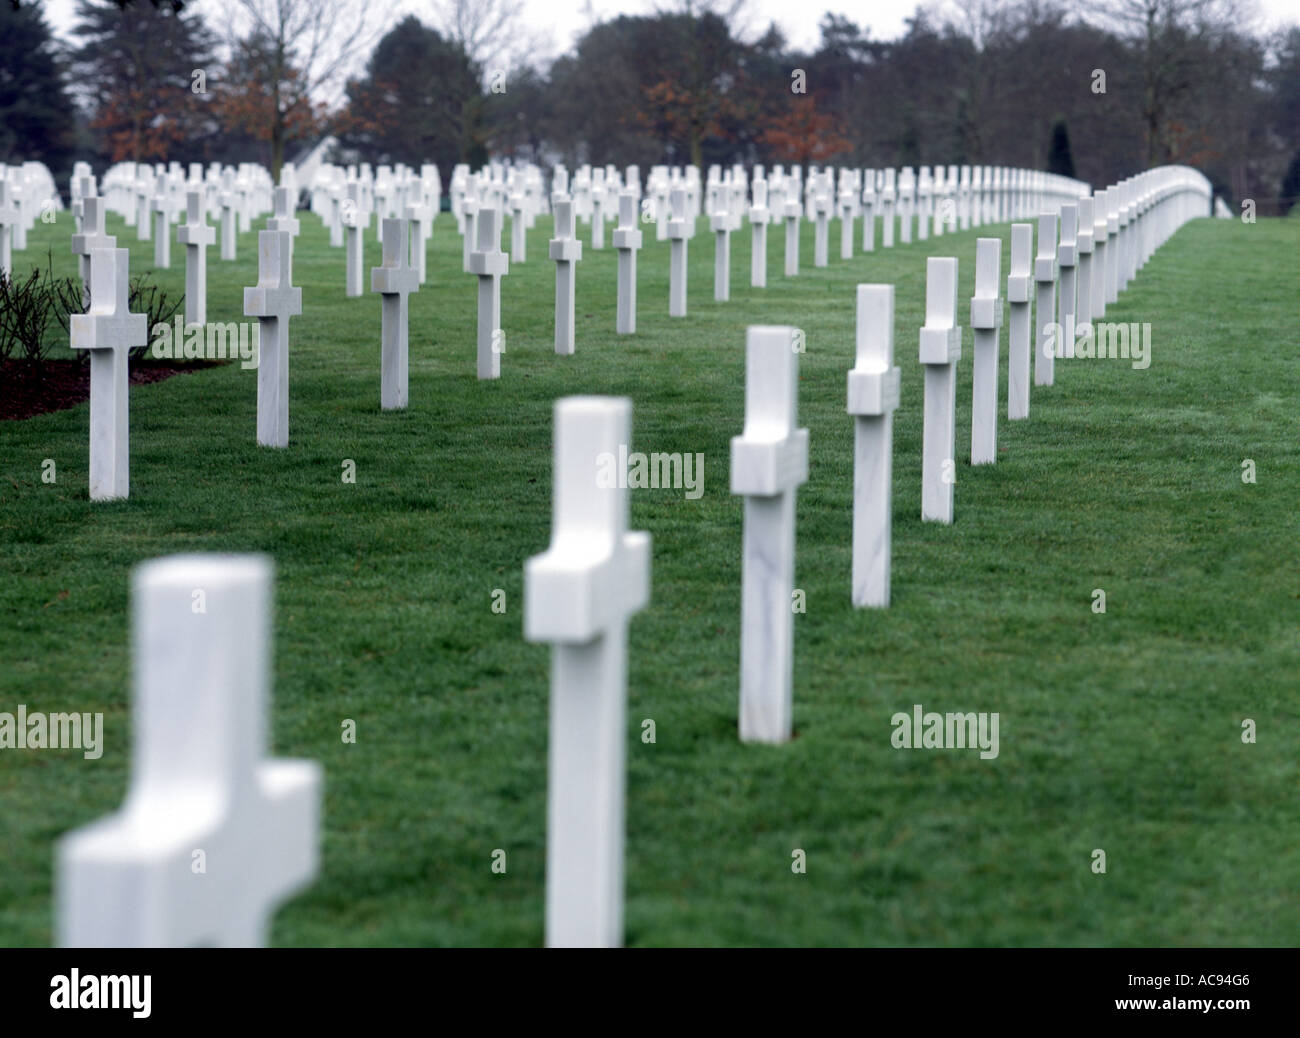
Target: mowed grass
1119, 731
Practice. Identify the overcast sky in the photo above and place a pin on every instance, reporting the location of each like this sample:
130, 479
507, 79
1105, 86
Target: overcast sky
563, 21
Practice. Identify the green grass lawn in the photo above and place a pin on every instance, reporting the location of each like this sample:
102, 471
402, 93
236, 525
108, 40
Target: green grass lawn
1119, 731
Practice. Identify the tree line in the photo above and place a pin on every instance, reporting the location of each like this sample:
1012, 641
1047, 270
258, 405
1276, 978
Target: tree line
1099, 92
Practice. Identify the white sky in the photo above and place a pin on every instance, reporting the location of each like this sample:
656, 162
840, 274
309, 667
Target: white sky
562, 21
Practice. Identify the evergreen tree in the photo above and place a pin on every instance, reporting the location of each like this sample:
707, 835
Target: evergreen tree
144, 69
419, 101
37, 117
1290, 186
1059, 159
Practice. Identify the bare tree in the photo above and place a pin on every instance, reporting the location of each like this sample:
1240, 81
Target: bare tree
492, 32
1170, 37
303, 49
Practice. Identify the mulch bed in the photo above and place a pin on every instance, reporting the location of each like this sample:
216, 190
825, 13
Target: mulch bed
28, 389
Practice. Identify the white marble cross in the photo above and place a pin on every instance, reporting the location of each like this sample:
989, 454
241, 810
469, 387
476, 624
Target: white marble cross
1083, 301
518, 227
273, 301
356, 221
846, 208
924, 187
1018, 340
887, 211
213, 835
196, 236
227, 199
627, 240
769, 460
469, 208
109, 330
395, 279
1123, 218
985, 323
680, 229
11, 218
421, 216
92, 237
1115, 250
759, 217
579, 595
162, 252
334, 216
821, 232
598, 209
906, 191
83, 187
284, 220
940, 351
869, 211
872, 400
565, 250
490, 264
793, 213
721, 224
1101, 255
1045, 302
1067, 257
143, 188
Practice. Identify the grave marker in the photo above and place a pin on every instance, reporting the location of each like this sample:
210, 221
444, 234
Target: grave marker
872, 400
284, 220
846, 224
109, 330
395, 279
869, 212
579, 595
490, 264
84, 244
679, 230
1083, 307
939, 353
887, 211
1018, 342
518, 229
566, 250
273, 301
421, 217
627, 240
759, 217
143, 186
356, 221
162, 252
768, 462
720, 223
200, 778
227, 200
11, 221
196, 236
985, 321
1067, 255
1045, 303
821, 233
793, 213
1101, 253
1115, 250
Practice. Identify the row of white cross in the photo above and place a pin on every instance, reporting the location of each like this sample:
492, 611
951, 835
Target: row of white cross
26, 192
201, 789
274, 300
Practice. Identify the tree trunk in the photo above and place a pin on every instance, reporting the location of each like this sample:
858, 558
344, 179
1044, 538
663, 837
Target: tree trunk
277, 147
